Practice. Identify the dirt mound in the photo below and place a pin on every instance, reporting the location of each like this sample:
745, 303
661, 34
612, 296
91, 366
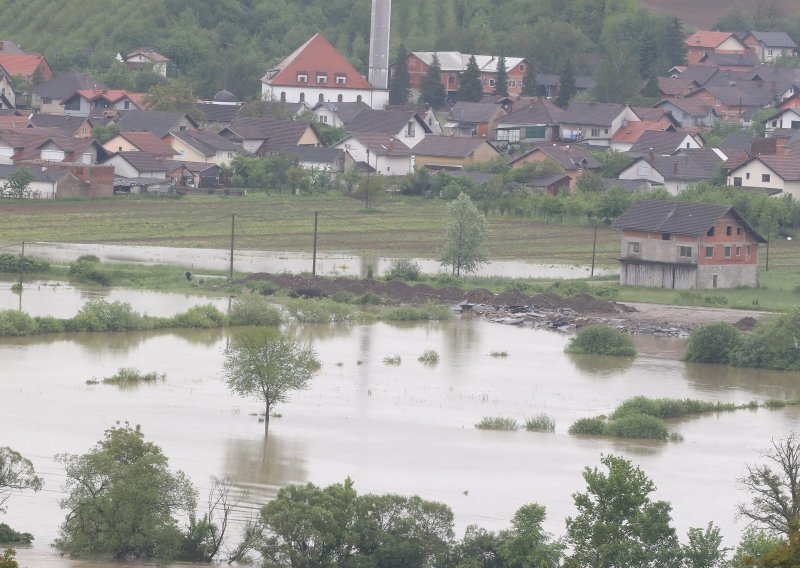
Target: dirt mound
746, 323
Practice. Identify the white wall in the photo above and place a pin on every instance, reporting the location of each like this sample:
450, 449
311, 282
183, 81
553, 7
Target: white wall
374, 98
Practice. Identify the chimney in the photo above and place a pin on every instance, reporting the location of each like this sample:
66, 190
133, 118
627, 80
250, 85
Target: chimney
675, 167
652, 155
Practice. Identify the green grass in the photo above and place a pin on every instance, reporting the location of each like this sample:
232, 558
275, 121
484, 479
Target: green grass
429, 357
497, 423
130, 375
393, 360
540, 423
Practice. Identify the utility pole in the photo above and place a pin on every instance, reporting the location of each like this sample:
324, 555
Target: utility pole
594, 248
314, 258
767, 267
21, 265
233, 229
366, 192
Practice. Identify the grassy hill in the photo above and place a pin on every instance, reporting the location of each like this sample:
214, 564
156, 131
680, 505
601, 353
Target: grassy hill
701, 14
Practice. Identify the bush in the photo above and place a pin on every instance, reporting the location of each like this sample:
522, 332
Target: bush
588, 426
100, 315
429, 357
498, 354
89, 268
10, 536
308, 310
497, 423
403, 269
13, 263
773, 344
251, 309
392, 360
49, 324
204, 316
667, 408
713, 343
410, 313
641, 426
369, 299
601, 340
131, 375
540, 423
13, 322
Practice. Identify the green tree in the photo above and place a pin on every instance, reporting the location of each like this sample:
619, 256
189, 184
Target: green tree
7, 559
527, 543
618, 525
400, 84
501, 82
431, 88
704, 549
19, 183
713, 343
464, 249
617, 79
268, 365
470, 88
122, 499
674, 42
478, 549
105, 133
16, 475
530, 87
174, 96
566, 85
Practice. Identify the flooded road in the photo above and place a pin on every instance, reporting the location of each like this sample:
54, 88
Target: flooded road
328, 264
407, 429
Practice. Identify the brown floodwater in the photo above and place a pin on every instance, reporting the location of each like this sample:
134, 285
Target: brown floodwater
405, 429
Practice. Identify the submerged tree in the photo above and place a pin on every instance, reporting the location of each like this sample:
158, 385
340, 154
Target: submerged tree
16, 475
464, 250
268, 365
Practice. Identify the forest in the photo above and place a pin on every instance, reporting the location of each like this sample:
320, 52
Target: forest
231, 43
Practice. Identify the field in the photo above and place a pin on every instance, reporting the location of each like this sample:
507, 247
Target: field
701, 14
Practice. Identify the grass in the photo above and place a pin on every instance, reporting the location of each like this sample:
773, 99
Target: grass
429, 357
132, 376
498, 354
540, 423
392, 360
497, 423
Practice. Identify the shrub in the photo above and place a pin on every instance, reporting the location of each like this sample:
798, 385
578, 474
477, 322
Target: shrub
13, 263
251, 309
429, 357
540, 423
601, 340
497, 423
641, 426
369, 299
100, 315
392, 360
667, 408
588, 426
403, 269
13, 322
773, 344
410, 313
343, 297
131, 375
204, 316
307, 310
10, 536
49, 324
713, 343
89, 268
498, 354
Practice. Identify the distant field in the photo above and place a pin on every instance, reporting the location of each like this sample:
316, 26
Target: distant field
702, 14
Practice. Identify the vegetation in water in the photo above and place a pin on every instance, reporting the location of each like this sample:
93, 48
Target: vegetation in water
417, 313
498, 354
403, 269
540, 423
255, 310
713, 343
601, 340
429, 357
318, 310
15, 263
132, 376
497, 423
393, 360
773, 344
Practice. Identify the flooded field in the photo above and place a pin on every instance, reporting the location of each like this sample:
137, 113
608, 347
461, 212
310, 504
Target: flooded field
328, 264
407, 429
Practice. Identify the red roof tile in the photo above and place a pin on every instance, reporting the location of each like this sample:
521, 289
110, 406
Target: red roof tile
705, 38
24, 64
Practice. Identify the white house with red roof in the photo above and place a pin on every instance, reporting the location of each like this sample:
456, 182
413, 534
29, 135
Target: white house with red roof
317, 73
86, 101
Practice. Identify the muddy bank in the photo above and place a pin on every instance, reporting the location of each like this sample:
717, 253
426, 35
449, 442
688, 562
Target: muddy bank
517, 308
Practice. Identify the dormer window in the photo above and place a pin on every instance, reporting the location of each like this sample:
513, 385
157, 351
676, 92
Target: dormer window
302, 77
322, 78
410, 130
522, 67
341, 79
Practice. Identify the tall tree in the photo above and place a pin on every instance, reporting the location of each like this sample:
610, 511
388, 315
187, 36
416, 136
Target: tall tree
173, 96
16, 475
616, 78
268, 365
527, 543
566, 85
530, 87
400, 84
501, 81
471, 89
431, 88
464, 250
674, 43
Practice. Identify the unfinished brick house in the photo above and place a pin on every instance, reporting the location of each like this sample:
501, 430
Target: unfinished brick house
677, 244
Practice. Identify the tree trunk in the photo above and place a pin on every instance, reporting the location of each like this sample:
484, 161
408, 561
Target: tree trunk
266, 420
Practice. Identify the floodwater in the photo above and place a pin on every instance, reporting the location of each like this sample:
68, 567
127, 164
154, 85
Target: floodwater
405, 429
328, 264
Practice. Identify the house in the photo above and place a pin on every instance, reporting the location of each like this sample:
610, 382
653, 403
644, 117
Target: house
193, 175
553, 184
331, 160
531, 121
146, 59
315, 73
677, 244
703, 42
32, 67
8, 96
218, 112
627, 137
379, 153
594, 123
677, 172
337, 115
427, 114
670, 87
72, 126
571, 160
448, 152
788, 118
146, 142
663, 142
746, 61
768, 46
160, 123
454, 63
87, 102
264, 136
735, 102
775, 174
404, 125
689, 112
47, 96
202, 146
474, 120
139, 165
57, 181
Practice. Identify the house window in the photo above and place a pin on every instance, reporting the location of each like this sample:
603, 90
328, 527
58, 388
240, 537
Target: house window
727, 252
738, 251
127, 105
339, 99
302, 78
747, 175
685, 252
737, 182
606, 130
358, 99
714, 280
716, 102
321, 78
665, 236
491, 82
410, 130
738, 230
47, 101
729, 230
302, 97
633, 248
451, 79
747, 250
595, 132
769, 51
522, 67
765, 177
283, 97
512, 82
323, 118
709, 252
341, 79
710, 232
321, 98
642, 171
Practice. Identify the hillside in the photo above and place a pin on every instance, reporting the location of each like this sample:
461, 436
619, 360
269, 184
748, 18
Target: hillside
702, 14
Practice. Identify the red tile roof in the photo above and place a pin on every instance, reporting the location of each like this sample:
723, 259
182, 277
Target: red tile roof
110, 95
24, 64
316, 56
633, 130
708, 39
149, 143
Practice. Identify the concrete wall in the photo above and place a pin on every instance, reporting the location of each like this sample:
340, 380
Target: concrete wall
751, 176
728, 276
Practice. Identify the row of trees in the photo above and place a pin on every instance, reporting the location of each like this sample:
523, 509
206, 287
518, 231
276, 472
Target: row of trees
123, 501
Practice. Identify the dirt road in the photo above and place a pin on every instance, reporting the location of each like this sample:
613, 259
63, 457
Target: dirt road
688, 317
